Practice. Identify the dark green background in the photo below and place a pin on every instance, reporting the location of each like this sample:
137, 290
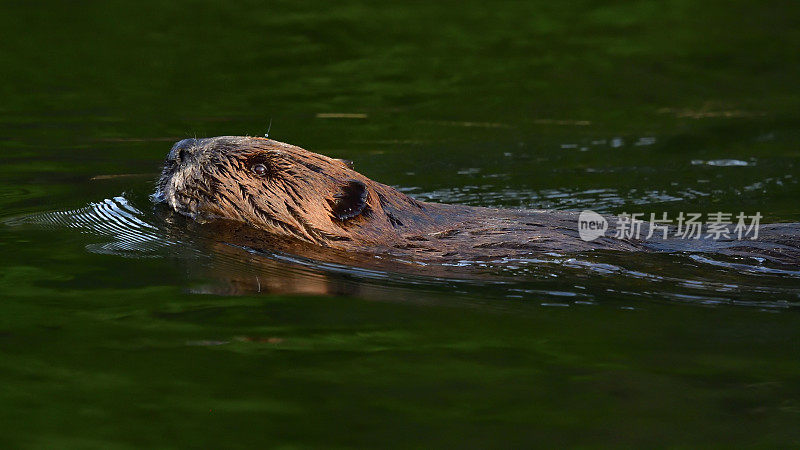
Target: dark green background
571, 105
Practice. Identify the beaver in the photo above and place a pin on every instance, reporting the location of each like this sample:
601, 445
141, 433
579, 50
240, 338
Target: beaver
294, 195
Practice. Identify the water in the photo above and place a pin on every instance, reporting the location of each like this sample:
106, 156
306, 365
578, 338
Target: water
119, 328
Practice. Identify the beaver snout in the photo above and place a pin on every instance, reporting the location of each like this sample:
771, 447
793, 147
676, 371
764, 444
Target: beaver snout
180, 164
184, 150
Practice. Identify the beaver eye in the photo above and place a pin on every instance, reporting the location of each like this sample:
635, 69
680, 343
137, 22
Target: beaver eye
260, 169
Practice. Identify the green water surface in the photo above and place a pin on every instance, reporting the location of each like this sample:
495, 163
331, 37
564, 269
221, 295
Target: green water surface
613, 106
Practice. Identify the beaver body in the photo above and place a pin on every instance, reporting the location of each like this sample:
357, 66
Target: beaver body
295, 195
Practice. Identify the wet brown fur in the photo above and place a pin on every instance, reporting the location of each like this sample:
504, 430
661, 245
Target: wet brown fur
313, 199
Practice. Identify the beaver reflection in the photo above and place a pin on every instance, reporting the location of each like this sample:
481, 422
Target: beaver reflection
235, 272
231, 258
311, 203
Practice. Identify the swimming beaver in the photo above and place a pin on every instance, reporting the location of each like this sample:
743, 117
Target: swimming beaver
296, 195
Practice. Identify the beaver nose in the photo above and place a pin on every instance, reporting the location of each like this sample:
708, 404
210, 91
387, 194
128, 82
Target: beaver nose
183, 150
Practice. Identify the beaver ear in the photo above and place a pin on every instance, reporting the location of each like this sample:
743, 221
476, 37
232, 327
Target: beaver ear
350, 201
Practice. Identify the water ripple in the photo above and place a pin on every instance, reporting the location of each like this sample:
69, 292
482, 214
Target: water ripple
549, 280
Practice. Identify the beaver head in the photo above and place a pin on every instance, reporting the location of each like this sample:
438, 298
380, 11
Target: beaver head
282, 189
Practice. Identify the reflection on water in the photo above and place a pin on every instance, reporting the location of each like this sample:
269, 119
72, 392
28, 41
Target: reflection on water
549, 278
